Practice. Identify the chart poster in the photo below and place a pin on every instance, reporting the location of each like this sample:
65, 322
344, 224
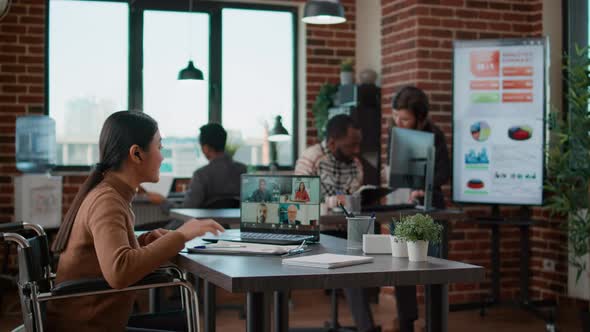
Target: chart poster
499, 104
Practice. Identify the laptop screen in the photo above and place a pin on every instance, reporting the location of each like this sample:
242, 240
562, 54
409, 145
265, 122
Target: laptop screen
284, 203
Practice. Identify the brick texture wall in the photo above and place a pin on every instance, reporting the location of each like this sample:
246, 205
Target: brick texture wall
416, 41
327, 46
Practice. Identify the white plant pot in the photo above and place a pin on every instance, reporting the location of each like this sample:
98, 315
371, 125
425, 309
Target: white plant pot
346, 77
417, 251
398, 247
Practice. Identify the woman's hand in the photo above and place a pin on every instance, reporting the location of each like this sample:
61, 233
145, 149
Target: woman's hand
194, 228
415, 196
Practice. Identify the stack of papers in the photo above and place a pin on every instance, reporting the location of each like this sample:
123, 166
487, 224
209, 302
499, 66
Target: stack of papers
228, 247
327, 261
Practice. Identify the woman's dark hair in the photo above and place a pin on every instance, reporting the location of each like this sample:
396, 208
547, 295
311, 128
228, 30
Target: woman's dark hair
301, 183
414, 100
120, 131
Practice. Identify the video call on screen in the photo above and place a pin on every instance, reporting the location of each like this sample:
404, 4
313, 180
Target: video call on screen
281, 202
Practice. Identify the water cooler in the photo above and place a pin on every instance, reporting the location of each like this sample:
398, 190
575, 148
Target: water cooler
37, 194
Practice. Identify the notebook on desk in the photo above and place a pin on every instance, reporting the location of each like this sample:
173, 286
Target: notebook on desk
277, 209
327, 261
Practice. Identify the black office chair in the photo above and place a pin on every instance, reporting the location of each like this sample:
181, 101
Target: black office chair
35, 280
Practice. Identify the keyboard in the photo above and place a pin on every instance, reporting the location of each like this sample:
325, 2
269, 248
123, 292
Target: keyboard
273, 238
385, 208
266, 238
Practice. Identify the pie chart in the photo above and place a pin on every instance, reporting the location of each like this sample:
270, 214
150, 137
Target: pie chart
480, 131
520, 133
475, 184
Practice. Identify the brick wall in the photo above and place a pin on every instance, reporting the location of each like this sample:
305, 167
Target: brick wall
22, 77
417, 40
327, 46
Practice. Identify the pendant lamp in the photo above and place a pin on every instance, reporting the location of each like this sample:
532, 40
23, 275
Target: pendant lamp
323, 12
190, 72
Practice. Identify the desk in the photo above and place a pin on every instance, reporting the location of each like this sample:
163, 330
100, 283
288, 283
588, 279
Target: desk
330, 221
264, 277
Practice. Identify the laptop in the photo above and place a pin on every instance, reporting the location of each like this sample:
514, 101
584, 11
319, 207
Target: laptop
277, 209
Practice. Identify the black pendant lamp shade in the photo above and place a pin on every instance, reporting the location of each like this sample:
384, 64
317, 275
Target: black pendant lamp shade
190, 73
323, 12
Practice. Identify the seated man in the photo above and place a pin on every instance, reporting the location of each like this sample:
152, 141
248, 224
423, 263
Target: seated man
220, 179
292, 216
262, 213
261, 194
336, 161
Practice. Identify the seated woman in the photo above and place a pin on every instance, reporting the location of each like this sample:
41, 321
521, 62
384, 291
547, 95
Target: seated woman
301, 194
96, 238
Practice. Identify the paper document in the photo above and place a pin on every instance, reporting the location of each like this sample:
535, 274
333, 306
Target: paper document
227, 247
327, 261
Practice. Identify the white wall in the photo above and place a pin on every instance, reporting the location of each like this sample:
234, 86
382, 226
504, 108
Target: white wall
368, 36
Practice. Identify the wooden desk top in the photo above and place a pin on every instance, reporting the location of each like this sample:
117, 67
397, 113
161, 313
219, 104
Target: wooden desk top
266, 273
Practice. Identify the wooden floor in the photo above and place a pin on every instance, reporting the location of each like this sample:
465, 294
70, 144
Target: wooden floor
311, 309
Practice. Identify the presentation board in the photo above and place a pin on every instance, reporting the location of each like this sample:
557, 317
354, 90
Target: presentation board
499, 105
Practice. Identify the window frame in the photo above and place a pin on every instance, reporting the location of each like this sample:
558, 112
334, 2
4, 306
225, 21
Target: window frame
135, 60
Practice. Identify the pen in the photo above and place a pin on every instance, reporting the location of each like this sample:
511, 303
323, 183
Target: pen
215, 246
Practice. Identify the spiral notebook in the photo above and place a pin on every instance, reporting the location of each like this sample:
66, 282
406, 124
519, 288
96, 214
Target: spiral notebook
327, 261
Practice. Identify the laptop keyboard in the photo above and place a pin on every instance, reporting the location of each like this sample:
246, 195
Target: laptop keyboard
272, 236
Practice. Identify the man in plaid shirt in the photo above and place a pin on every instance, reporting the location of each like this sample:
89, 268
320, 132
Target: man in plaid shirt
336, 159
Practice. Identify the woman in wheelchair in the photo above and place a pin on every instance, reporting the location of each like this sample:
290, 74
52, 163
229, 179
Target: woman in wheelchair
96, 238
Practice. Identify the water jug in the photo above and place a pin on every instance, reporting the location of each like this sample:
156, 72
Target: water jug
35, 144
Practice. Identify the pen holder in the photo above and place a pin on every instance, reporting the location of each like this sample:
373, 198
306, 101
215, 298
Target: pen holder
357, 226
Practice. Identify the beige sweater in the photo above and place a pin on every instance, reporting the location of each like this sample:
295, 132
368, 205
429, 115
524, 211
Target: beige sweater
102, 244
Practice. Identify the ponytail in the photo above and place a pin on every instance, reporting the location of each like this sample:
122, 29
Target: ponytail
120, 131
61, 240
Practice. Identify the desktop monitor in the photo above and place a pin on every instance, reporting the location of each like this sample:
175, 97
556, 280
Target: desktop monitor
411, 161
280, 204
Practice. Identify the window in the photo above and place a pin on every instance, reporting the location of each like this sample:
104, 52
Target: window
266, 64
88, 73
106, 56
180, 107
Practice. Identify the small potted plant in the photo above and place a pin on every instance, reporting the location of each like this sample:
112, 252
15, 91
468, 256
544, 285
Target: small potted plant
398, 245
346, 75
418, 230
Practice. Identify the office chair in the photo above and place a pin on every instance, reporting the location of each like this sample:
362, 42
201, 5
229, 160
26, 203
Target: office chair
36, 281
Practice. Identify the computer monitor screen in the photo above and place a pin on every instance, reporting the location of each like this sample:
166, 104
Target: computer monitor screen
408, 157
280, 202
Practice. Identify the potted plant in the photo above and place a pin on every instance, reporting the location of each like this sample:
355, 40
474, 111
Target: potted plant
399, 247
418, 230
346, 75
568, 180
323, 102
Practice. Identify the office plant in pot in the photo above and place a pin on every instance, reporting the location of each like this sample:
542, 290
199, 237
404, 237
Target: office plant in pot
418, 230
568, 178
399, 248
346, 74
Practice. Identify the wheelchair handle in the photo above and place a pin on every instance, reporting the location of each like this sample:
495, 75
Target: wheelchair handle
11, 227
